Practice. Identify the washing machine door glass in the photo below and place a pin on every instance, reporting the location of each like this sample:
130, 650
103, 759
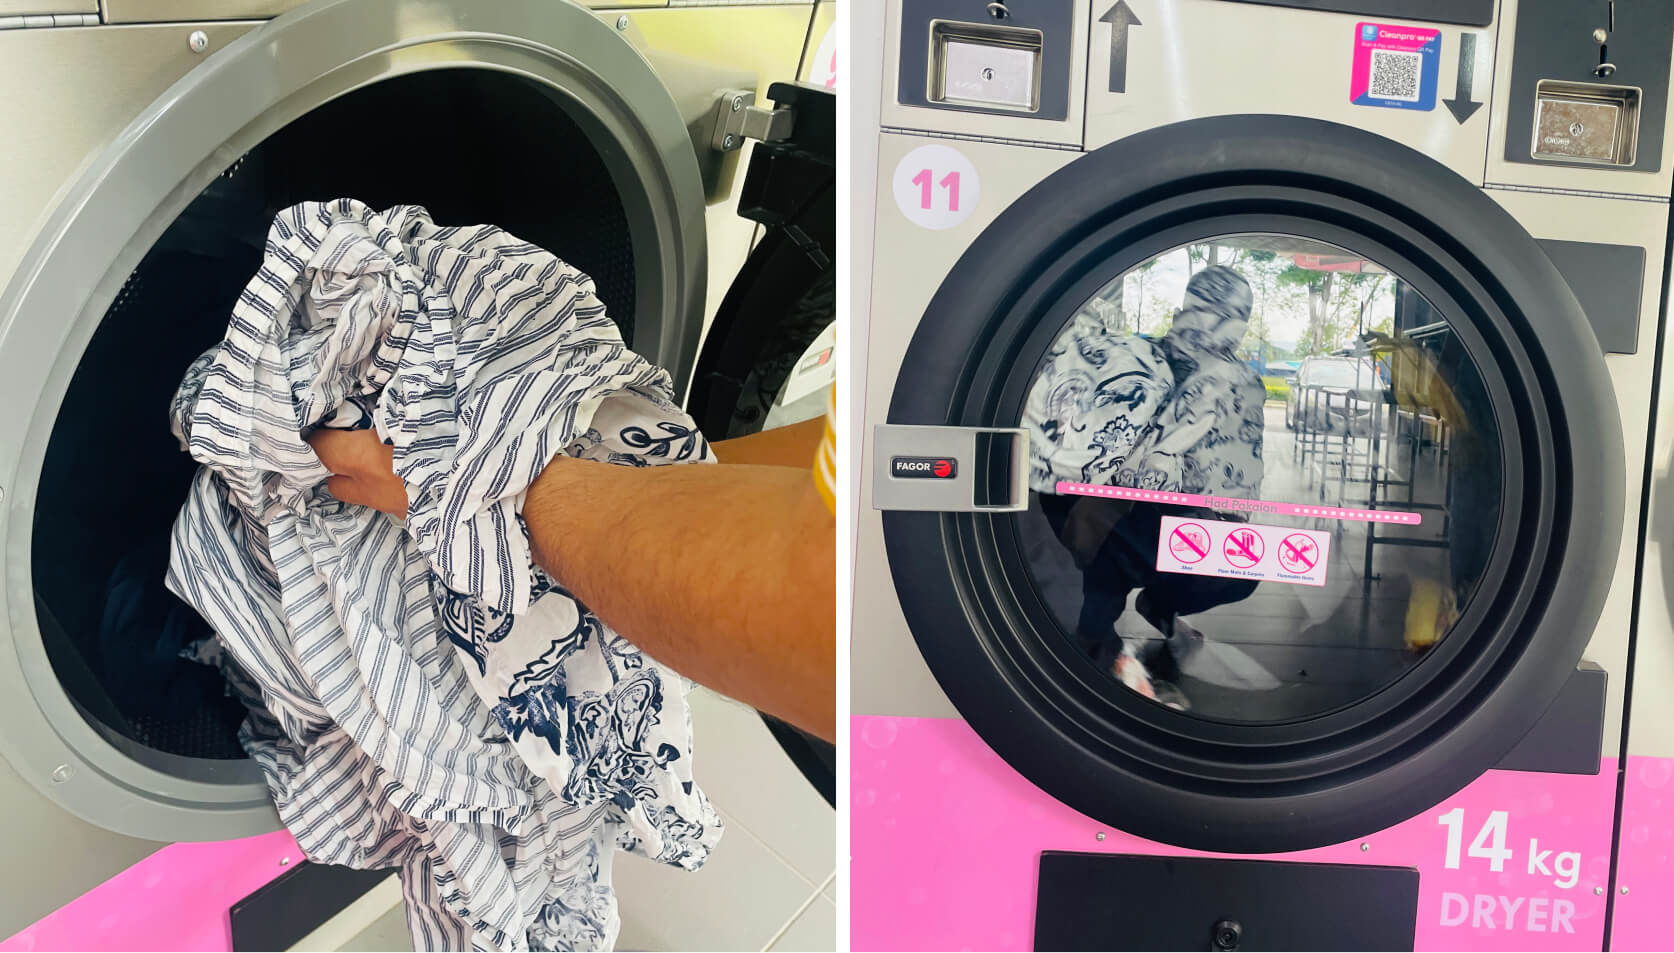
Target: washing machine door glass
1264, 478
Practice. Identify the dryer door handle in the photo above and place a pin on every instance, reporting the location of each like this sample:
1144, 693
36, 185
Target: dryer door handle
950, 469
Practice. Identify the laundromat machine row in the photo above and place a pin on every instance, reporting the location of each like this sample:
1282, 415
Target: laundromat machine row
1265, 477
671, 151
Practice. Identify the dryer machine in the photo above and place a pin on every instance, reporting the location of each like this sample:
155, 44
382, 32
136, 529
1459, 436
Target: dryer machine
1257, 408
149, 145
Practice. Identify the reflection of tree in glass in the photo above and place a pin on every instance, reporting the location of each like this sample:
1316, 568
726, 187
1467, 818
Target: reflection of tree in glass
1262, 269
1338, 302
1200, 256
1140, 275
1163, 309
1111, 302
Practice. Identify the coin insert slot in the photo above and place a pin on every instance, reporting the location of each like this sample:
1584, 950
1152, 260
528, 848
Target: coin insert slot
986, 66
1586, 122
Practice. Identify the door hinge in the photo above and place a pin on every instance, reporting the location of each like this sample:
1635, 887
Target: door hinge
43, 21
737, 118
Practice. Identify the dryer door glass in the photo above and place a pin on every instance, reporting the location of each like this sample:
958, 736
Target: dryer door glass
1265, 478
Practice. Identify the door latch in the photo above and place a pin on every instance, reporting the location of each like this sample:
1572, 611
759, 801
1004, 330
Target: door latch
950, 469
737, 118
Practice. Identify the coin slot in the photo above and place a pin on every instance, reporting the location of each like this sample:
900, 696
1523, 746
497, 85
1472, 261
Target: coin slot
984, 65
1586, 122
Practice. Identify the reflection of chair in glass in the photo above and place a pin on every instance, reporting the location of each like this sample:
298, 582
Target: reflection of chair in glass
1424, 410
1432, 385
1342, 422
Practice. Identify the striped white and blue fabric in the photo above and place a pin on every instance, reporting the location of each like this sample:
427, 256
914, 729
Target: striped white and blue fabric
429, 699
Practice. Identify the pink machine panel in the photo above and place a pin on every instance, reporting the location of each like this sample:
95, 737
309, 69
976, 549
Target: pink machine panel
175, 899
946, 838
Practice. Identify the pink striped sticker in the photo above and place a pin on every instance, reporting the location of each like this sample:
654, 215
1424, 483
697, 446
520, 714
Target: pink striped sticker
1228, 504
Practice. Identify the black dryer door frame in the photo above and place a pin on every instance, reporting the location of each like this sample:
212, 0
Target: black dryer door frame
1252, 788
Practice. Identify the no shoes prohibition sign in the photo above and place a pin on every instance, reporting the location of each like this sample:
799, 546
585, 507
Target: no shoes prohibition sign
1243, 551
1189, 543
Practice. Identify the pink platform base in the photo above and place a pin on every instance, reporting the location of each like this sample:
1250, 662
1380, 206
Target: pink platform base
175, 899
946, 838
1644, 867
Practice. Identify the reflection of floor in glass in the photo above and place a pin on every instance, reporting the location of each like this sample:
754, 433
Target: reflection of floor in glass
1326, 646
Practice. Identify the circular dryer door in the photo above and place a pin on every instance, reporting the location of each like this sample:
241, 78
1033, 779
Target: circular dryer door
1286, 459
525, 114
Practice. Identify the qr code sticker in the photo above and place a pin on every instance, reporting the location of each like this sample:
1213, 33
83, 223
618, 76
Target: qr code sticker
1395, 75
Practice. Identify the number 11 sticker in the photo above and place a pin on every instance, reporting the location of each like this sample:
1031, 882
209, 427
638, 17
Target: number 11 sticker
936, 187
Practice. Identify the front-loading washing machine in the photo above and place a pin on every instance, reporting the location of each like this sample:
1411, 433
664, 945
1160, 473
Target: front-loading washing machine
1258, 404
149, 145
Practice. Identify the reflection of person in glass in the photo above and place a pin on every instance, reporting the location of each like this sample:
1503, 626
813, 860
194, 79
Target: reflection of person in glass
1182, 413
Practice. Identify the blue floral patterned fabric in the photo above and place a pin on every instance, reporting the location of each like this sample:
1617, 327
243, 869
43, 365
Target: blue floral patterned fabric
428, 697
1183, 413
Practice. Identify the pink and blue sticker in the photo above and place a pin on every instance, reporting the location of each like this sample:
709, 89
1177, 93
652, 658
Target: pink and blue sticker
1395, 66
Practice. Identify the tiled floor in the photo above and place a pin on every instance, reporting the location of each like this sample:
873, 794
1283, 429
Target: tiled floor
815, 928
764, 887
769, 886
1318, 647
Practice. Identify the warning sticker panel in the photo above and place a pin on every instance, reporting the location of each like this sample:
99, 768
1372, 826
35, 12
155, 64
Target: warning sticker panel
1395, 66
1243, 551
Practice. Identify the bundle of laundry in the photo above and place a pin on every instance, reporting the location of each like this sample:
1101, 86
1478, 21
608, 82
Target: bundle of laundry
429, 698
1182, 413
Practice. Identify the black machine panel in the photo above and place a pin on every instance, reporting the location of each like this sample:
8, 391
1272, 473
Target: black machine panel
283, 912
1569, 738
1466, 12
1556, 42
1130, 902
1607, 280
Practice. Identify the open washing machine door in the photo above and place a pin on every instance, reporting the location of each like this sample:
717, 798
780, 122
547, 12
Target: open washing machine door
767, 361
529, 114
1208, 601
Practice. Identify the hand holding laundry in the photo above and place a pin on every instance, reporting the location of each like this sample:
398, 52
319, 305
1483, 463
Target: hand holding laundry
662, 554
363, 469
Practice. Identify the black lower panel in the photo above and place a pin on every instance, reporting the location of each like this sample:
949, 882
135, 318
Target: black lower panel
276, 916
1468, 12
1125, 902
1569, 738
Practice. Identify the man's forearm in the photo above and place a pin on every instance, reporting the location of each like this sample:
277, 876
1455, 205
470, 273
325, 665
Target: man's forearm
655, 553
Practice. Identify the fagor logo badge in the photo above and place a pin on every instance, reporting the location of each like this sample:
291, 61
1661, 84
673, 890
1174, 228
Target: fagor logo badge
923, 468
